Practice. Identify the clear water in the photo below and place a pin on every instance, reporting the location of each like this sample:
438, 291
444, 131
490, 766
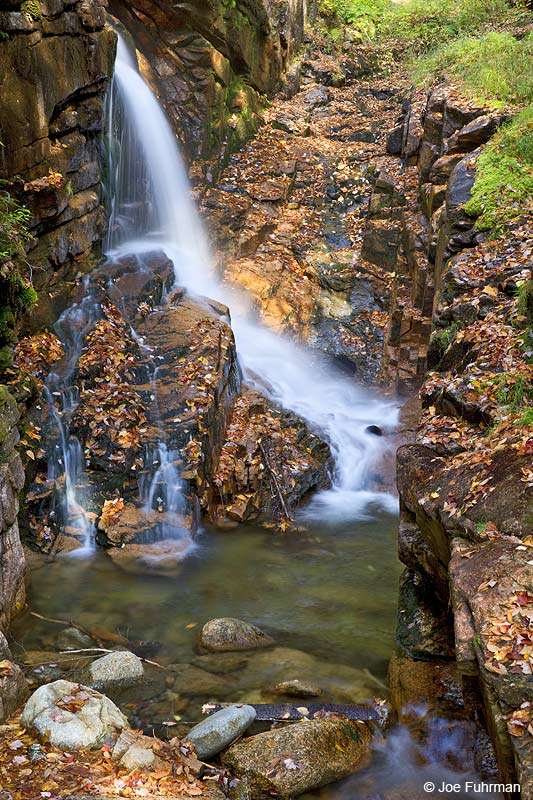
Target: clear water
313, 591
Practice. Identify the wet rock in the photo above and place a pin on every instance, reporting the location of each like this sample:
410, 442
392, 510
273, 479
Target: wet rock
160, 558
114, 673
216, 732
301, 757
297, 688
193, 681
228, 633
72, 716
13, 689
374, 429
221, 662
73, 639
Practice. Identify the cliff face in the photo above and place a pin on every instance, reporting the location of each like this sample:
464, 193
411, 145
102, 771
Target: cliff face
12, 563
211, 61
465, 483
56, 58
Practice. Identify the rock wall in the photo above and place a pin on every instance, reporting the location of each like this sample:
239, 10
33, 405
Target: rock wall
12, 563
210, 62
56, 58
465, 483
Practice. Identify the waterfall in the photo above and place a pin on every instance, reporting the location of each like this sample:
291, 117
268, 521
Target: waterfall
145, 154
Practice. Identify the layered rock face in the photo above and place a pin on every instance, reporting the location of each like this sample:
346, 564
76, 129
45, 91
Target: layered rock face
211, 61
465, 483
56, 58
12, 563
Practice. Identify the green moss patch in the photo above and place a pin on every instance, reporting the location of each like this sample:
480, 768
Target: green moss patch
503, 187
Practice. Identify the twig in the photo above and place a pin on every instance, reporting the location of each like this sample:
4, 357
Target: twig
276, 483
70, 624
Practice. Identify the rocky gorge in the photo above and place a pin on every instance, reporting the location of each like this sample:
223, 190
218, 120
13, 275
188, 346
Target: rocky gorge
134, 417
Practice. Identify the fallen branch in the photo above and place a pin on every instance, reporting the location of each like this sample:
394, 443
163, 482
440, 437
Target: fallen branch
92, 635
277, 486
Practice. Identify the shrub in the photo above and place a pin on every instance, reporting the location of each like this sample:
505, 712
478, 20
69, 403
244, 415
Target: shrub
364, 15
496, 67
426, 24
503, 186
14, 232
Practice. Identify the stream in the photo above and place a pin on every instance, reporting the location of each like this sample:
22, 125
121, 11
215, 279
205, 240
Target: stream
327, 595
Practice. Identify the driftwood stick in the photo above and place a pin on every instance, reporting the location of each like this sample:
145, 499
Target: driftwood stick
276, 483
70, 624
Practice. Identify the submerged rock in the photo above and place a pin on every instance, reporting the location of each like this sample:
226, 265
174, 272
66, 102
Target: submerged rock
72, 716
297, 688
301, 757
212, 735
228, 633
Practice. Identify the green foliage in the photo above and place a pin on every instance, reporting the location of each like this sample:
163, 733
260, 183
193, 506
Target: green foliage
14, 219
32, 9
513, 391
503, 186
525, 300
495, 67
364, 15
441, 340
527, 419
425, 24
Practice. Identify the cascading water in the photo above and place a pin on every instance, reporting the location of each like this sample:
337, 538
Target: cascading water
147, 155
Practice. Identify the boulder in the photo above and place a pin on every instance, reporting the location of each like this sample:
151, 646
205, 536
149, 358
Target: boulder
72, 716
474, 134
216, 732
228, 633
114, 673
13, 689
301, 757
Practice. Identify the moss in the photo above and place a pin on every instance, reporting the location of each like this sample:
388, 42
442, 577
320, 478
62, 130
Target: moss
32, 9
503, 186
440, 342
525, 300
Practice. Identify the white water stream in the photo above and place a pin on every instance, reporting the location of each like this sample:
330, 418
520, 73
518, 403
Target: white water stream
151, 207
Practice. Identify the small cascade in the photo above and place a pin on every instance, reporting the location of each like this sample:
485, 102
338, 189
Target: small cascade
336, 408
66, 461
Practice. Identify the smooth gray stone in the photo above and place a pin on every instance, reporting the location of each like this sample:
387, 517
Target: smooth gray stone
213, 734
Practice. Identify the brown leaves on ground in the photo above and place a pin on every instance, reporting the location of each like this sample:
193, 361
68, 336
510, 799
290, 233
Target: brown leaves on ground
33, 771
509, 637
476, 407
